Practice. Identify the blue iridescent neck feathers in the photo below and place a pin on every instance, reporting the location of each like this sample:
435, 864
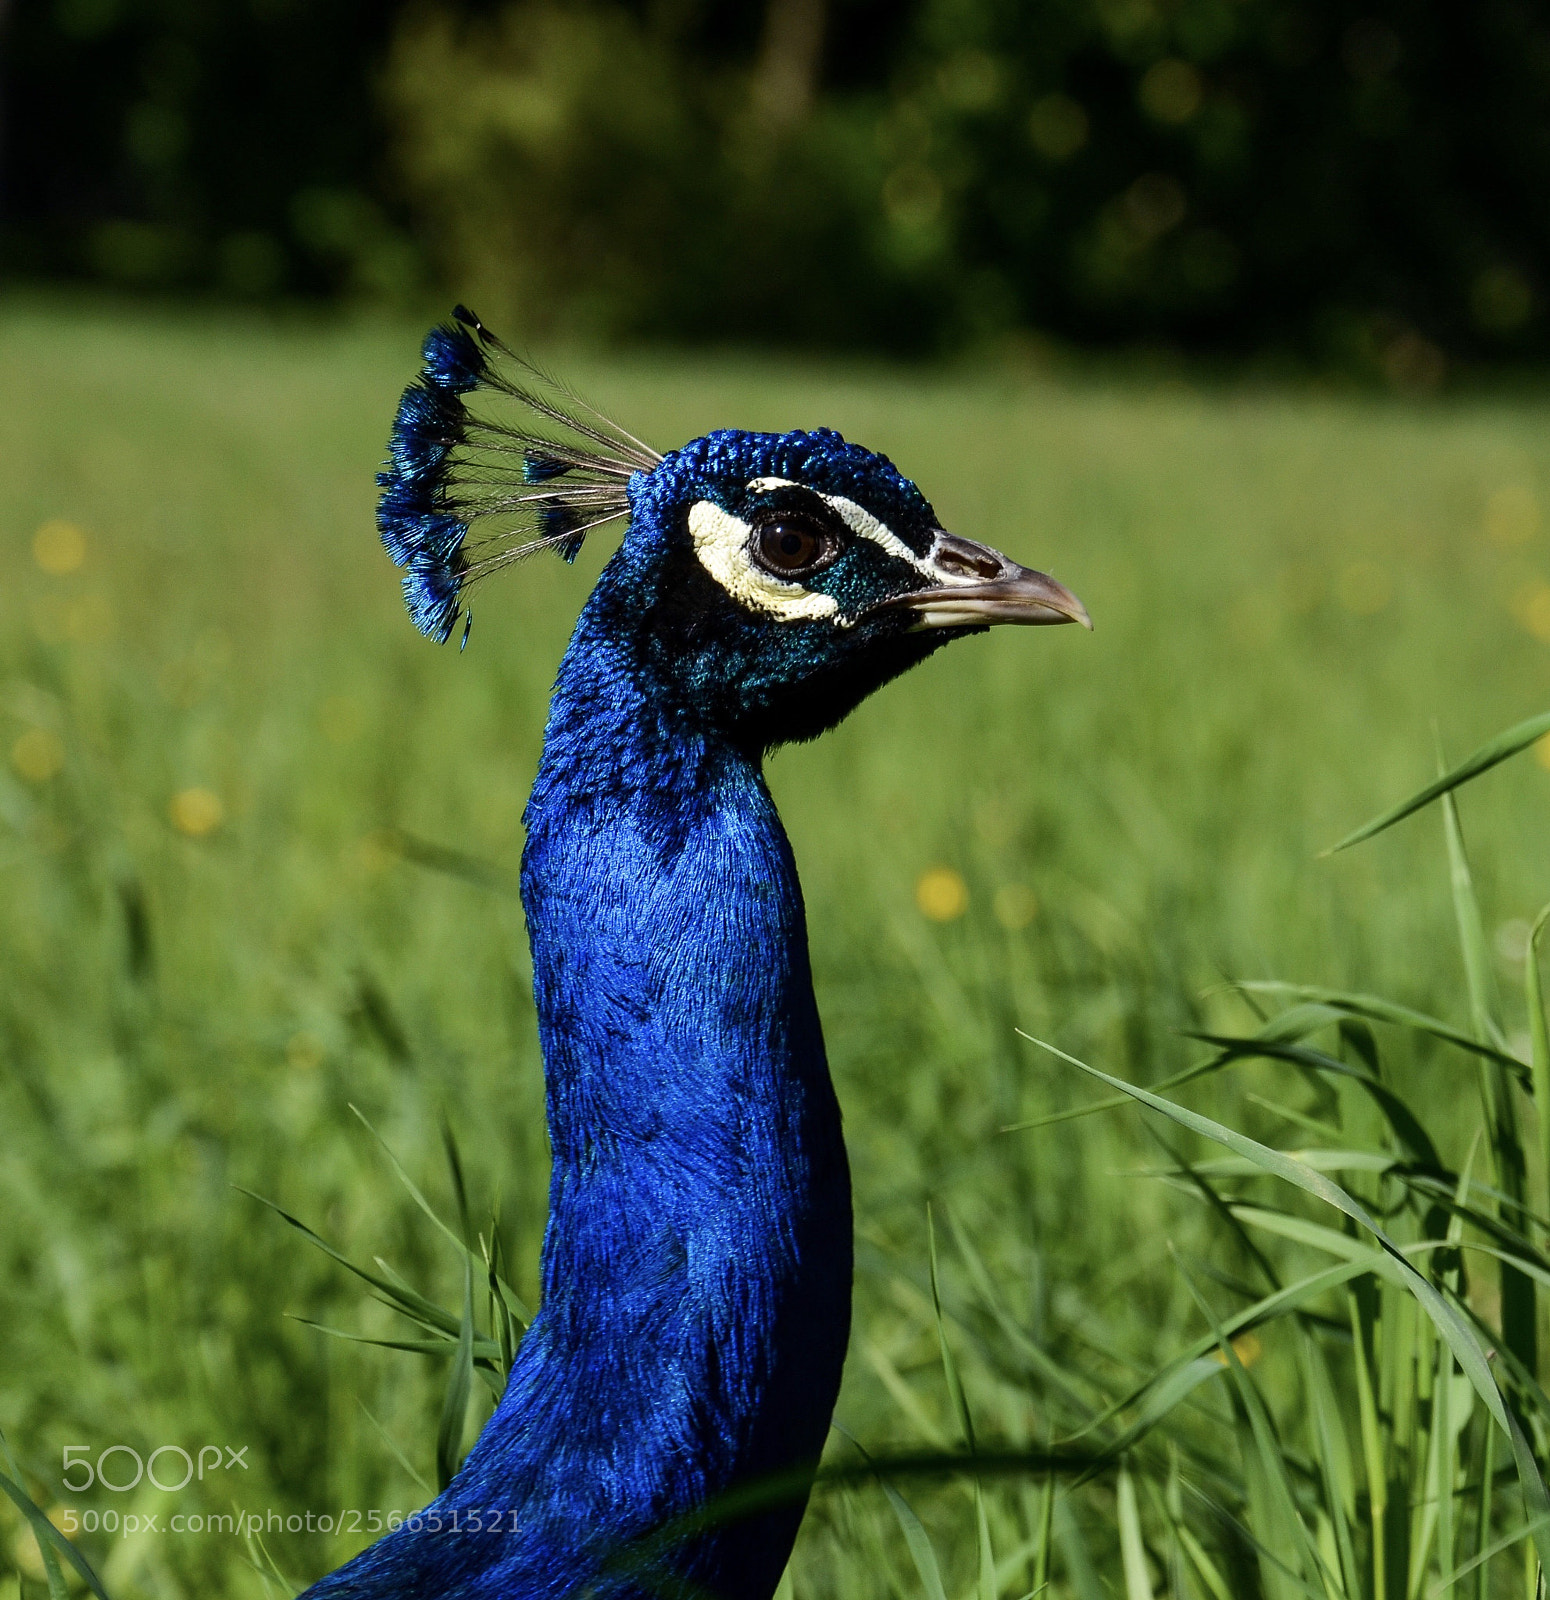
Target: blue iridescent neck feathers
697, 1261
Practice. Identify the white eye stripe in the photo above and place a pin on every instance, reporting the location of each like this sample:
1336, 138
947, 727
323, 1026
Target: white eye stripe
859, 520
721, 543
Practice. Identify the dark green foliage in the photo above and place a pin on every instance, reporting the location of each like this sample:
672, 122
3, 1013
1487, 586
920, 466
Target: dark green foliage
1352, 183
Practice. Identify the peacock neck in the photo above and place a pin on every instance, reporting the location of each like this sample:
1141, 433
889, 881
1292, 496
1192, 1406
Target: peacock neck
683, 1056
697, 1261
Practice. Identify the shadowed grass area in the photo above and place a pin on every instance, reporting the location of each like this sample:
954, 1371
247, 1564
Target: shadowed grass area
256, 839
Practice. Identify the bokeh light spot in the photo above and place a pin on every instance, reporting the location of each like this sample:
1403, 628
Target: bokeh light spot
1531, 606
59, 547
1500, 300
196, 812
1171, 91
1058, 127
941, 894
38, 755
1246, 1347
1152, 205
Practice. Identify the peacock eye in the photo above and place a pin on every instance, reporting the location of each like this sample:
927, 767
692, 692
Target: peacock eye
792, 546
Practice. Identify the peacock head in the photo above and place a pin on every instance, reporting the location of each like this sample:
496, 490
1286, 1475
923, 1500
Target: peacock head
766, 583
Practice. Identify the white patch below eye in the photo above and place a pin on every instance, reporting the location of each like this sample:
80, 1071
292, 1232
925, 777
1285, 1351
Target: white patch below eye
721, 543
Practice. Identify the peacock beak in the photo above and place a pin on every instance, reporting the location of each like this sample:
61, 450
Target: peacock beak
978, 586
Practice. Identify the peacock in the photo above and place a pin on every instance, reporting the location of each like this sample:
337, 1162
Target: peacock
696, 1264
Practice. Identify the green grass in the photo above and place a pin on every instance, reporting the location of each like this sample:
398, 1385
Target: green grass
1287, 590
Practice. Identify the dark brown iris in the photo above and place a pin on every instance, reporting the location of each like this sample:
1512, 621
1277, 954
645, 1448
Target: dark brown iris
792, 546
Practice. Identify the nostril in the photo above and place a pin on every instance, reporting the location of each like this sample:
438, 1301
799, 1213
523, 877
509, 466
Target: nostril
961, 564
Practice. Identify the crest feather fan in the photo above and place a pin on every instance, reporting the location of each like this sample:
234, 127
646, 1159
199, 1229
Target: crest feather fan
537, 483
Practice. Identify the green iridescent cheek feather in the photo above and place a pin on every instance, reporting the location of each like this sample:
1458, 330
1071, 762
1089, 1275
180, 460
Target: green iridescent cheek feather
538, 487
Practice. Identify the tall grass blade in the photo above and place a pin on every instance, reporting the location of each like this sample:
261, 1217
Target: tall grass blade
1539, 1049
413, 1305
1171, 1377
1514, 739
1284, 1535
955, 1392
1483, 1548
1375, 1009
987, 1575
1517, 1292
1479, 977
1506, 1542
1132, 1547
1362, 1308
1078, 1560
1206, 1569
398, 1455
1459, 1335
454, 1408
1334, 1457
50, 1541
918, 1542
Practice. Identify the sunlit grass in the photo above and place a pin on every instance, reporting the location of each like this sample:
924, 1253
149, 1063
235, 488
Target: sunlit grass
256, 839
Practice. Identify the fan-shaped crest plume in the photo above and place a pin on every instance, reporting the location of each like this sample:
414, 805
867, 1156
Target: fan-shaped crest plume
543, 481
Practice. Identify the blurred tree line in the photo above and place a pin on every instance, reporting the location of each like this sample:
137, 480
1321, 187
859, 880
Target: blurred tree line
1357, 181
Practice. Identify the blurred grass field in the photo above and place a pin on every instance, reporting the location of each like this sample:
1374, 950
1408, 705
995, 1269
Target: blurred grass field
225, 751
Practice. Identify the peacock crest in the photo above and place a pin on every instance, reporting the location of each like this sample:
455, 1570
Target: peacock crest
541, 482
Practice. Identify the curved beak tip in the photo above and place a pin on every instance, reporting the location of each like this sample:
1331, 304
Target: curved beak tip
980, 587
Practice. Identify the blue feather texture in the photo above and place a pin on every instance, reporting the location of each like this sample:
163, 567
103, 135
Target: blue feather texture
540, 482
696, 1266
697, 1261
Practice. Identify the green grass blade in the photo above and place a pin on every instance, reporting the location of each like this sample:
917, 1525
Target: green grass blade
1080, 1574
1506, 1542
1479, 975
1045, 1537
1333, 1453
918, 1542
397, 1295
1407, 1129
1504, 745
1374, 1009
1362, 1312
987, 1553
398, 1454
1517, 1313
1289, 1544
485, 1350
49, 1539
454, 1409
1460, 1336
1539, 1049
1484, 1550
1205, 1568
1262, 1311
1132, 1547
955, 1392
